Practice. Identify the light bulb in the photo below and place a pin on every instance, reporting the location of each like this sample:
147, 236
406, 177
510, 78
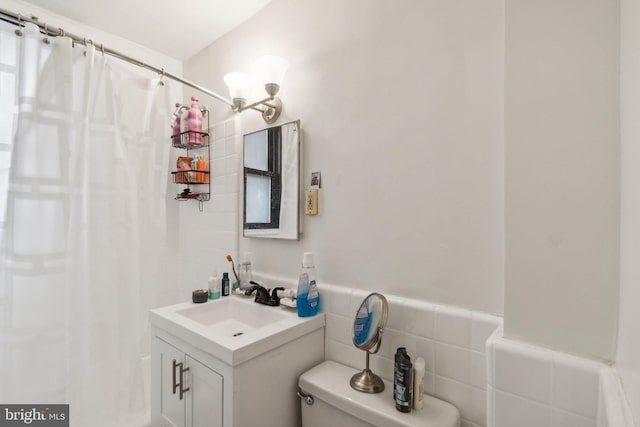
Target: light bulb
272, 70
238, 84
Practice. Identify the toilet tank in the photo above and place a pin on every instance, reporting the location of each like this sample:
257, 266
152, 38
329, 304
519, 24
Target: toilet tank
335, 403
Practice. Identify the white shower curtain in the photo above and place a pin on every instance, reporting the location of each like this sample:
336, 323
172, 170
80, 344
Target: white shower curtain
84, 251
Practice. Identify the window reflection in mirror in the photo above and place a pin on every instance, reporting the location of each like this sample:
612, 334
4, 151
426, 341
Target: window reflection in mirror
271, 182
262, 179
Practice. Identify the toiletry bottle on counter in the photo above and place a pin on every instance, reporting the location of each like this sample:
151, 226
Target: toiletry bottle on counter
399, 351
403, 381
194, 122
225, 284
214, 286
245, 271
308, 298
418, 384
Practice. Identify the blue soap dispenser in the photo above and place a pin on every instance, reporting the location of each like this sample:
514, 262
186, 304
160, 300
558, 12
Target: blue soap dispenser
308, 298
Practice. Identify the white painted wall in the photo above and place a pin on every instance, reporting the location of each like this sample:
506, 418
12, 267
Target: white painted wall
401, 110
628, 356
562, 174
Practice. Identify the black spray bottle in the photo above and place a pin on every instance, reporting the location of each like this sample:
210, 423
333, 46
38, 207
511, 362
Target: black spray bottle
399, 351
225, 284
403, 381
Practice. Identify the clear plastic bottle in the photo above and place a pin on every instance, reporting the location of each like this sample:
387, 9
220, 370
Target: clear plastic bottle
308, 298
245, 272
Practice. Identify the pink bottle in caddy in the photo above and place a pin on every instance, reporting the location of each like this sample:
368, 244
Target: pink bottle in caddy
194, 122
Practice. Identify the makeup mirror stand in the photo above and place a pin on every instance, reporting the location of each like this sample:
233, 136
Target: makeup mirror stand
368, 327
366, 381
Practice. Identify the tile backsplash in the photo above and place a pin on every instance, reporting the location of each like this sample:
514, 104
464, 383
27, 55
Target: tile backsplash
451, 340
613, 407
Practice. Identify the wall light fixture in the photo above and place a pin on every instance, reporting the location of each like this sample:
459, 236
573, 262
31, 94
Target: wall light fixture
272, 71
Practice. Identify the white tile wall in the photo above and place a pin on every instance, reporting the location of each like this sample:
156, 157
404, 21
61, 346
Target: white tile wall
613, 407
524, 371
537, 387
493, 381
575, 385
205, 238
451, 340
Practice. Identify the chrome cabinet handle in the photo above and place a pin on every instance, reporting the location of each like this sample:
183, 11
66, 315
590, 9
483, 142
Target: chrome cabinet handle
175, 384
182, 390
178, 385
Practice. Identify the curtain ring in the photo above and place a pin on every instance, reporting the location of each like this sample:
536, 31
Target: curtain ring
102, 48
86, 45
61, 32
45, 40
19, 31
160, 82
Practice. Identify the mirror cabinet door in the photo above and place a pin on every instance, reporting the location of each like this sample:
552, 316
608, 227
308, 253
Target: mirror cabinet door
271, 182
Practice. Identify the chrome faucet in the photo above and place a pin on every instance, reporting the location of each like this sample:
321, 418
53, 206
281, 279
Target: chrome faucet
262, 294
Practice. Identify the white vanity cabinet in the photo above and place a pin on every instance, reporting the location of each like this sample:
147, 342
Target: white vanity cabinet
190, 392
229, 373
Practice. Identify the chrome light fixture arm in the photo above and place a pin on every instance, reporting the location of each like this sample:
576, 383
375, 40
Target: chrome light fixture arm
253, 106
273, 69
272, 107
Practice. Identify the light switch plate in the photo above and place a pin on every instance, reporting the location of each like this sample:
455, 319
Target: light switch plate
311, 202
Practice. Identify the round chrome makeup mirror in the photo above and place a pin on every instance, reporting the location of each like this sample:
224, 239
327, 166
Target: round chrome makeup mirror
367, 335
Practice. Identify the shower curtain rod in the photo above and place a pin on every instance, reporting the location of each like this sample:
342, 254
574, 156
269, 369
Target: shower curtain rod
15, 18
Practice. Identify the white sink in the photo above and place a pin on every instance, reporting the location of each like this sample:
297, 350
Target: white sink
234, 329
232, 316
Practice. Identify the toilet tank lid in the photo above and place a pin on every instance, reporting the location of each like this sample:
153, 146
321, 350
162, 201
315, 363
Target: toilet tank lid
329, 382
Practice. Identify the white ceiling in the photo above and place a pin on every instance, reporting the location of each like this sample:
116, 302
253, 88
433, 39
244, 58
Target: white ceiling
176, 28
